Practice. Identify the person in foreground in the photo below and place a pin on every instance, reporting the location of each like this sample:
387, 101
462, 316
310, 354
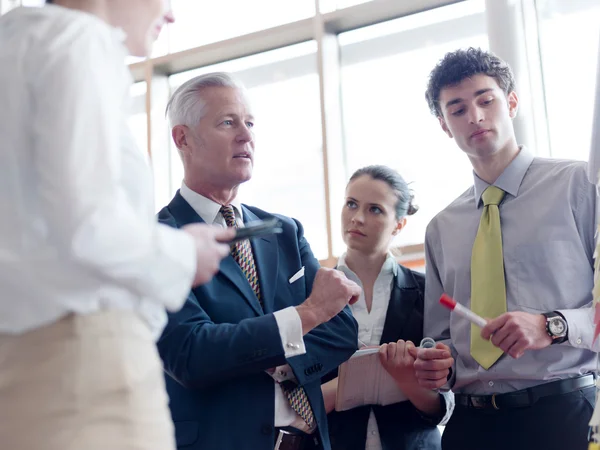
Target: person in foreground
389, 313
517, 249
245, 355
85, 270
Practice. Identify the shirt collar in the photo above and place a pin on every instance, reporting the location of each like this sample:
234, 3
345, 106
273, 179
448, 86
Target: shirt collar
207, 209
510, 180
389, 266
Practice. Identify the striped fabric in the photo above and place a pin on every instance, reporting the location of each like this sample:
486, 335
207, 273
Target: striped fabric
242, 253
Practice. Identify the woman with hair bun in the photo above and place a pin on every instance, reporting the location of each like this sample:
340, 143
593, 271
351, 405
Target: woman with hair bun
389, 313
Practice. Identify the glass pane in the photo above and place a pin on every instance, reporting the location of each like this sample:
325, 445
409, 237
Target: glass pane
199, 23
283, 88
569, 34
7, 5
386, 118
347, 3
32, 2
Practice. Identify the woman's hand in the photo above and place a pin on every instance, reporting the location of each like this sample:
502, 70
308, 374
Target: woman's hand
329, 391
397, 360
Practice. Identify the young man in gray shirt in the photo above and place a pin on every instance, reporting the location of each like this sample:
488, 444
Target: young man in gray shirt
516, 248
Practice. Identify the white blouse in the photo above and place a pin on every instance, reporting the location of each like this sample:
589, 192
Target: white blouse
370, 324
77, 230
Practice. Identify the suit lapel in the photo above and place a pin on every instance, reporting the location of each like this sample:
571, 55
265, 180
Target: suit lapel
402, 303
184, 214
266, 258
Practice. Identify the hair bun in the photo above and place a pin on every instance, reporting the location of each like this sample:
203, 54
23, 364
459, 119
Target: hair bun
412, 207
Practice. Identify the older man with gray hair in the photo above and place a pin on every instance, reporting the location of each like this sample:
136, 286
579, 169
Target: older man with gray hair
245, 355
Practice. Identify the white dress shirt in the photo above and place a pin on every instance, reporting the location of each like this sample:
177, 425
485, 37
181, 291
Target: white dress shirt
77, 229
370, 324
288, 320
370, 329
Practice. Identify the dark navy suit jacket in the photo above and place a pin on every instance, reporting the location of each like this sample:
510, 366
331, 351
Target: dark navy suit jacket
217, 348
401, 426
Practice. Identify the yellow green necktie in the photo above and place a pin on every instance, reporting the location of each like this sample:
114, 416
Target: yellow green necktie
488, 289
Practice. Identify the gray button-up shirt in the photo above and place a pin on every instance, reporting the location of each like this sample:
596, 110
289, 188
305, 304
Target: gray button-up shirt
548, 223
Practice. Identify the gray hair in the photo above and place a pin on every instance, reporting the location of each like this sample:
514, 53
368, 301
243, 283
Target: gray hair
186, 105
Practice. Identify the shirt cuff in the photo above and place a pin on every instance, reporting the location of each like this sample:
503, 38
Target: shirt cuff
446, 400
581, 328
290, 331
449, 401
283, 373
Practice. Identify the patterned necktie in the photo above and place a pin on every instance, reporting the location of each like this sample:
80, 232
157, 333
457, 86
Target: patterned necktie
488, 288
242, 253
298, 399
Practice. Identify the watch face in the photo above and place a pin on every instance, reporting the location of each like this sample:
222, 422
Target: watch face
557, 326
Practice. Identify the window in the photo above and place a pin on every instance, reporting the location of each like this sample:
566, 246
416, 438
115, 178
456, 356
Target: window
340, 4
386, 119
288, 174
7, 5
32, 2
569, 33
199, 23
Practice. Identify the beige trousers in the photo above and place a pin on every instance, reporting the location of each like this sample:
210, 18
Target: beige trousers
84, 383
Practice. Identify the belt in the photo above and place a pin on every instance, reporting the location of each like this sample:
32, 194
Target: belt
525, 397
290, 440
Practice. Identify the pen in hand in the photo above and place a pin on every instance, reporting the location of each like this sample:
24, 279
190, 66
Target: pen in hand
462, 311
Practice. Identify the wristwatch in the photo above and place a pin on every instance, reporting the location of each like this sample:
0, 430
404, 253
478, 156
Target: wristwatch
556, 327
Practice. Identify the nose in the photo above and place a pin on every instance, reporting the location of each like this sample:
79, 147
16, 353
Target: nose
169, 17
245, 134
358, 217
475, 115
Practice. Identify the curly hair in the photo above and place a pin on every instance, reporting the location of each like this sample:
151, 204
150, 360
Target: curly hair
461, 64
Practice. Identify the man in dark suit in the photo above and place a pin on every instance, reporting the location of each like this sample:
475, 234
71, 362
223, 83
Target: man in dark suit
245, 354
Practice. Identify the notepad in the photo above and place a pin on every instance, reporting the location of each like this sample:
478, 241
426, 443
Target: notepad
362, 380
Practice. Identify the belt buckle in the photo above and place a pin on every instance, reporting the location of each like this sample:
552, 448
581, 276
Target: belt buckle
494, 402
279, 441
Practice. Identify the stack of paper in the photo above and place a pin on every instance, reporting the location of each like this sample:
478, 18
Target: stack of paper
362, 380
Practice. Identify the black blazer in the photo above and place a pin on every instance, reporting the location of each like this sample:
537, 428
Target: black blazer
401, 426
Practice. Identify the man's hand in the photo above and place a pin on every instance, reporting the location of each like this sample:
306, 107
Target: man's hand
432, 365
397, 359
209, 249
515, 332
331, 292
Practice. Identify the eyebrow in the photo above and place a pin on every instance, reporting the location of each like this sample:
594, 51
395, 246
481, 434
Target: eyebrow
454, 101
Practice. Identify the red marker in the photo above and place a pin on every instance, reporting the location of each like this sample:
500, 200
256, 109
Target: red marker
462, 311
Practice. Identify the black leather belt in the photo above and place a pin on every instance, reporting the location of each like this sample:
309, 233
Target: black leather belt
524, 397
295, 440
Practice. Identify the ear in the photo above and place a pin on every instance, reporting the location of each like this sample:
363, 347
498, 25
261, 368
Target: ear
399, 225
445, 127
513, 104
180, 136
